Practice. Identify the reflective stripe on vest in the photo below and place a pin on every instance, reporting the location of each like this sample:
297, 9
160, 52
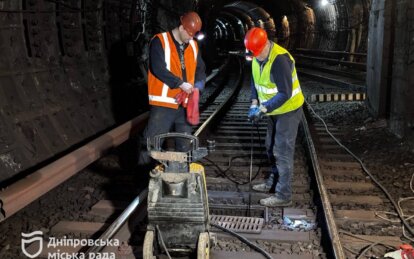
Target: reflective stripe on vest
194, 49
162, 99
167, 58
165, 96
274, 91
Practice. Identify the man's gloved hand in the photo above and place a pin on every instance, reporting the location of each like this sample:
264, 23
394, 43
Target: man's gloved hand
186, 87
252, 111
257, 117
256, 113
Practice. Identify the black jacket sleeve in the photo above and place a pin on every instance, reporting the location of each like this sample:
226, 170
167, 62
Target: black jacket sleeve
200, 74
158, 66
253, 90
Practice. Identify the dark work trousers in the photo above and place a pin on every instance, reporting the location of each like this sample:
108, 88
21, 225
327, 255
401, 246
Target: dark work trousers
280, 146
164, 120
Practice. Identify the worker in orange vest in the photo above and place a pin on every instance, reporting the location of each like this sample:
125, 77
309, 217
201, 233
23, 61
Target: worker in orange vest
175, 66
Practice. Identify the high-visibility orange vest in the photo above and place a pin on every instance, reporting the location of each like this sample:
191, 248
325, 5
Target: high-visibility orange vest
159, 94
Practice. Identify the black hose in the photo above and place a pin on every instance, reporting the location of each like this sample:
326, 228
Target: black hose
244, 240
223, 172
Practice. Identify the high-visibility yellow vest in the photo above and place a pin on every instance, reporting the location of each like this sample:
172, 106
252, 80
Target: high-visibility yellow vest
266, 89
159, 94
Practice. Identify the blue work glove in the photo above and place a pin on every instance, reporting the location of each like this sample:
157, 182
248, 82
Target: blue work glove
252, 111
257, 114
257, 117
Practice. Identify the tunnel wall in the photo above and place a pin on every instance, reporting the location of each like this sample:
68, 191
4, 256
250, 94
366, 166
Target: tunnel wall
54, 80
379, 56
358, 11
326, 27
71, 70
297, 29
390, 69
402, 87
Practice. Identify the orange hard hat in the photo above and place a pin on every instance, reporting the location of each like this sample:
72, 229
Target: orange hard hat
191, 22
255, 40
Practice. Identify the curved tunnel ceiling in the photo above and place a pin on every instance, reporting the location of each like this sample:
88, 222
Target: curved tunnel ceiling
311, 24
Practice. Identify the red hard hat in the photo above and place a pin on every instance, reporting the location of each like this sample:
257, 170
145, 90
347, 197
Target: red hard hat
255, 40
191, 22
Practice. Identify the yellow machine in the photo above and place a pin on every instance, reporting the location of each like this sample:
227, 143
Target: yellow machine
178, 214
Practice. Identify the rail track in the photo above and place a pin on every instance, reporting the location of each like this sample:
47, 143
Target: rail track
335, 68
359, 205
335, 204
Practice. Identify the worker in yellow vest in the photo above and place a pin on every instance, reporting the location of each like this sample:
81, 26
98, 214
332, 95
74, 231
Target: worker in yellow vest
276, 95
175, 66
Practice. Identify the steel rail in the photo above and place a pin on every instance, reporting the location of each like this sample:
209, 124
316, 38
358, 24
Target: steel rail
119, 222
332, 52
326, 204
223, 104
348, 63
20, 194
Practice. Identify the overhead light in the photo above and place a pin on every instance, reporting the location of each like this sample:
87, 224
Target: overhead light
324, 2
200, 36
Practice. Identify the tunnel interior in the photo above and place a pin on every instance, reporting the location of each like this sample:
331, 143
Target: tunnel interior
72, 69
292, 24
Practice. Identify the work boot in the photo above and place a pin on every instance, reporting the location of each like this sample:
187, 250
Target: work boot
267, 186
263, 187
274, 201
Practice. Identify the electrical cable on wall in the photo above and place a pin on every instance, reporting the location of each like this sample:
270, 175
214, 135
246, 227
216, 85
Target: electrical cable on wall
143, 10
